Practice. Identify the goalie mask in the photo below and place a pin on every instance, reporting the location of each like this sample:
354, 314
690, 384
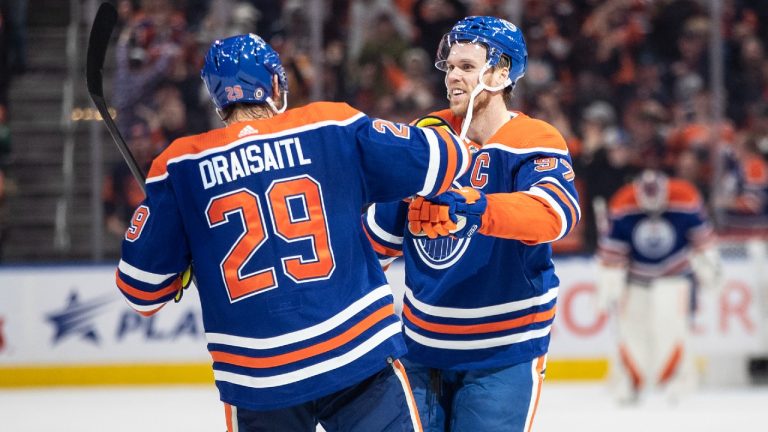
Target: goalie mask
652, 191
239, 69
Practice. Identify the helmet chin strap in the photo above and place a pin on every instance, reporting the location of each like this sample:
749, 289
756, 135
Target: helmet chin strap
271, 103
476, 91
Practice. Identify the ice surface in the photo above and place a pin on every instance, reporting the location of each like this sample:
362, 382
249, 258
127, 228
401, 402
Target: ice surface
563, 407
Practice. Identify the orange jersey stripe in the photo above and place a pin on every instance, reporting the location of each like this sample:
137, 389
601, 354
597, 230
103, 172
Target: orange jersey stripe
380, 248
522, 132
151, 312
311, 351
148, 296
228, 415
412, 399
682, 196
563, 198
451, 159
623, 200
522, 321
683, 193
294, 118
540, 381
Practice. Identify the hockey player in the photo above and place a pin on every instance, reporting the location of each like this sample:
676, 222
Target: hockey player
296, 309
659, 239
479, 304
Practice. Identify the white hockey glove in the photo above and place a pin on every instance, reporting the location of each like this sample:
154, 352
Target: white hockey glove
707, 269
611, 283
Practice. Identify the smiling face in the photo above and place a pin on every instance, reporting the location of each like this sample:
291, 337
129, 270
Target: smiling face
463, 66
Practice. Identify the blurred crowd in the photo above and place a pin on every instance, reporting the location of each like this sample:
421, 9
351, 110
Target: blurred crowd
12, 61
627, 82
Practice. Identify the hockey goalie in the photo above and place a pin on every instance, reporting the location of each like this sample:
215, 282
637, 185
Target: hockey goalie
657, 255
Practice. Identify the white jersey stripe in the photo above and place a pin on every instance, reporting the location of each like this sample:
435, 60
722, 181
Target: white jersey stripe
370, 217
155, 179
520, 151
466, 157
477, 343
250, 138
144, 308
535, 191
487, 311
313, 370
303, 334
574, 202
387, 261
143, 276
435, 156
409, 398
233, 419
535, 390
614, 245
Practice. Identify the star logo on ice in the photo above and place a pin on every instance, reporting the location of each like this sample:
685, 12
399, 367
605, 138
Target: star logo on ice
76, 318
247, 130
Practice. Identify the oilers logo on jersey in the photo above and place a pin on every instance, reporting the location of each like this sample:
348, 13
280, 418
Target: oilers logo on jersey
441, 252
654, 237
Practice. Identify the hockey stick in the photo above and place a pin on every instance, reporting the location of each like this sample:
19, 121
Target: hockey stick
98, 42
101, 32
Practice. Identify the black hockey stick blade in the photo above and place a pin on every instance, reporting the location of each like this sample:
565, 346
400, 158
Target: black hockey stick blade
103, 25
98, 42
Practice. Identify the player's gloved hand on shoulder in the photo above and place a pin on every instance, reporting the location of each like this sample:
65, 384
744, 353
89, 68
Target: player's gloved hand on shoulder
438, 122
459, 212
434, 121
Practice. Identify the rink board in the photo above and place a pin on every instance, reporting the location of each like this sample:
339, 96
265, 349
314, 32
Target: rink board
68, 325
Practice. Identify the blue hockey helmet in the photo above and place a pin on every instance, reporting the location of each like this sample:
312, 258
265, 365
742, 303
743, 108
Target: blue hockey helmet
239, 69
500, 37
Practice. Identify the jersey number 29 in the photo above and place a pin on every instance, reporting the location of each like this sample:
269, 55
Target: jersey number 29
309, 224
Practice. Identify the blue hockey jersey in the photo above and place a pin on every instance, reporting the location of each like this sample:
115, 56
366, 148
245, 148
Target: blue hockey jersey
655, 245
295, 304
489, 300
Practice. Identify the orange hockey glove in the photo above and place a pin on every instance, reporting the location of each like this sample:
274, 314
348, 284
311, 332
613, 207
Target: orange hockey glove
457, 212
427, 218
